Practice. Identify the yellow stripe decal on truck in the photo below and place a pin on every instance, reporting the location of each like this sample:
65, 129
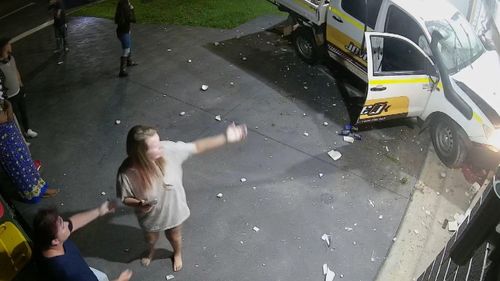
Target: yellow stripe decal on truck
305, 5
349, 19
382, 109
477, 117
400, 81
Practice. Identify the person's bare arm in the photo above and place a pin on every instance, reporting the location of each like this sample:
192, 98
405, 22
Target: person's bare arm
124, 276
19, 78
81, 219
233, 134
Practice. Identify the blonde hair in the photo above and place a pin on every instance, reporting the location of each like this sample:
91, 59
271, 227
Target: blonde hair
136, 151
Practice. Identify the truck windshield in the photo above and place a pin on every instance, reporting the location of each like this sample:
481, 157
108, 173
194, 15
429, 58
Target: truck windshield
460, 46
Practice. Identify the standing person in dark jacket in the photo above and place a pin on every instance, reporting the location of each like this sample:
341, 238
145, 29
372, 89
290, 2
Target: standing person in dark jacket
124, 15
57, 9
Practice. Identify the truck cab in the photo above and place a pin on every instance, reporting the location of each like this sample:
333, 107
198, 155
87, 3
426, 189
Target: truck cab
419, 58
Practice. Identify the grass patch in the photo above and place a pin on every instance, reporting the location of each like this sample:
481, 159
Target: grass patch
209, 13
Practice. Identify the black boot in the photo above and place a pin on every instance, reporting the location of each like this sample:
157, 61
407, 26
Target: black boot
130, 62
123, 67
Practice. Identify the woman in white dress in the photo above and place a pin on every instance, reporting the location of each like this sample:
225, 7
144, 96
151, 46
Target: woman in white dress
150, 180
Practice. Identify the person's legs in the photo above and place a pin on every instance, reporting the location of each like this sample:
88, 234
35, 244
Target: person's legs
101, 276
19, 108
174, 236
125, 42
130, 62
151, 239
58, 39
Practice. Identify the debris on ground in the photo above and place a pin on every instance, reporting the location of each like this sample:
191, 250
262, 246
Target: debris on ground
371, 203
169, 50
117, 121
329, 274
256, 229
182, 113
306, 134
244, 58
189, 61
404, 180
320, 175
475, 188
231, 83
169, 277
380, 217
325, 237
204, 87
452, 226
103, 193
443, 175
220, 195
348, 139
335, 155
372, 259
325, 123
243, 179
218, 118
348, 228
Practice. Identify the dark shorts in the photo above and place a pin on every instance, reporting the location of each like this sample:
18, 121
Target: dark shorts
125, 40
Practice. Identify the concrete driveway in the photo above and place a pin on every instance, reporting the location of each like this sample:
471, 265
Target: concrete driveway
254, 77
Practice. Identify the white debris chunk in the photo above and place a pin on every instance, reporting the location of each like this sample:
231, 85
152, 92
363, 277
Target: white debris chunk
325, 237
231, 83
169, 277
416, 231
329, 274
348, 228
372, 259
371, 203
387, 148
256, 229
182, 113
443, 175
320, 175
189, 61
103, 193
335, 155
204, 87
428, 212
243, 179
348, 139
306, 134
325, 123
117, 121
220, 195
452, 226
216, 44
169, 50
380, 217
244, 58
218, 118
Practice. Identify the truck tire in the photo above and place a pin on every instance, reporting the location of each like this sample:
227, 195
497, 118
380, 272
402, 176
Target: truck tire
450, 141
305, 44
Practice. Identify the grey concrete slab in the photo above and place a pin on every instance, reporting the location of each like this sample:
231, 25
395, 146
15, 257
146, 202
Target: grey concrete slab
74, 107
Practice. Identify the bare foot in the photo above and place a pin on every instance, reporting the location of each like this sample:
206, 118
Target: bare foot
145, 261
50, 192
177, 259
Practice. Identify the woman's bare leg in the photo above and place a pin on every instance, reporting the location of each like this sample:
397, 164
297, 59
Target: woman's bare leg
174, 236
151, 239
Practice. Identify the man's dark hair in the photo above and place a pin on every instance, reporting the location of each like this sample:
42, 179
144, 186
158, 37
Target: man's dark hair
45, 227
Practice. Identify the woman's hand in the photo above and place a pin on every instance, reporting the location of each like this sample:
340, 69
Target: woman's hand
236, 133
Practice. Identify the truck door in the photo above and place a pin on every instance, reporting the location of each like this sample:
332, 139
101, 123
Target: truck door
346, 26
401, 78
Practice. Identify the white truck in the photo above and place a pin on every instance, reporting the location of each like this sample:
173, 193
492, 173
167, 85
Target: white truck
419, 58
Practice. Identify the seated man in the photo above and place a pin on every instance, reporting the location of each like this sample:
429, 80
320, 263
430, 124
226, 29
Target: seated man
58, 258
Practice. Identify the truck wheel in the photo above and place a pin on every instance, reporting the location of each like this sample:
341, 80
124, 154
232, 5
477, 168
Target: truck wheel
450, 142
305, 44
